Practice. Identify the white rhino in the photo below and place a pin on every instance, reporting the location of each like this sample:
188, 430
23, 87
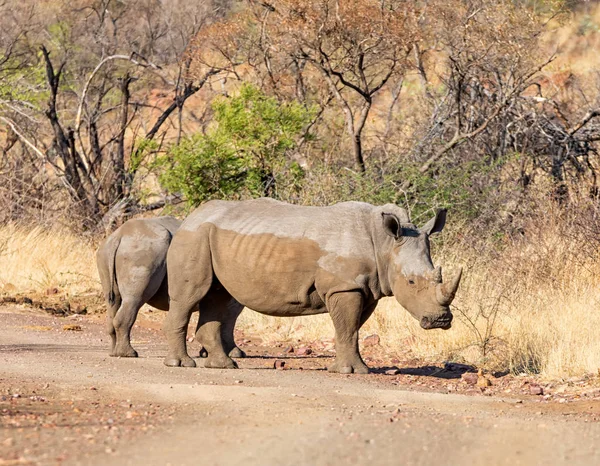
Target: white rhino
287, 260
133, 271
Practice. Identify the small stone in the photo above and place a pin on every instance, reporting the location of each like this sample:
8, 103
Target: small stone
470, 378
51, 291
72, 328
482, 380
371, 340
79, 309
394, 371
304, 351
279, 364
536, 390
239, 381
288, 350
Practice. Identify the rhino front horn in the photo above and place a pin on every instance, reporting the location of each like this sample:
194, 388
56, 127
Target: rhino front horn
445, 292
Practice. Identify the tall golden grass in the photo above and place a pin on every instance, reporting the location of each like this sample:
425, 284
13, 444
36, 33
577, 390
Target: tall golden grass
33, 259
534, 307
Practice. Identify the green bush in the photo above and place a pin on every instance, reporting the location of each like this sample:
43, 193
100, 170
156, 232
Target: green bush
244, 154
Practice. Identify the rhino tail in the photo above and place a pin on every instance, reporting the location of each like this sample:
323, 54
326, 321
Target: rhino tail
113, 246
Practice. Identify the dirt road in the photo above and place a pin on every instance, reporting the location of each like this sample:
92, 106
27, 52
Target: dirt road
64, 401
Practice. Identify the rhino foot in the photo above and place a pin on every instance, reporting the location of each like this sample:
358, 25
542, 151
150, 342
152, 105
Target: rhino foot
237, 353
124, 353
186, 361
220, 363
349, 368
234, 353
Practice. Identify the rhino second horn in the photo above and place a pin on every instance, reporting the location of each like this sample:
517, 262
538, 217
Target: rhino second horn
445, 292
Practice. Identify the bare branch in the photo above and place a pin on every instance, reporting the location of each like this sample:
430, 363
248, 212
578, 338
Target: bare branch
29, 144
99, 66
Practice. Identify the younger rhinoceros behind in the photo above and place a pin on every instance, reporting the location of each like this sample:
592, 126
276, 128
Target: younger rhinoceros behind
287, 260
133, 271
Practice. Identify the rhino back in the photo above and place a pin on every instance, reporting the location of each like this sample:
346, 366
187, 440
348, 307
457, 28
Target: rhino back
282, 259
140, 262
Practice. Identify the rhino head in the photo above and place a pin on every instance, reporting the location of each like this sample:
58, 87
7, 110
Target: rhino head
416, 284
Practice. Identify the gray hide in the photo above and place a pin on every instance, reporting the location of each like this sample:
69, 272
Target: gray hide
286, 260
133, 271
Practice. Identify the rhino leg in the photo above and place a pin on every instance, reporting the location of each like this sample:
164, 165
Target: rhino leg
190, 278
234, 309
123, 322
110, 315
214, 313
345, 310
175, 328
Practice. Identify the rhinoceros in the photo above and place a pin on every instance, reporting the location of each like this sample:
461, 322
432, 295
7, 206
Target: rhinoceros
133, 271
287, 260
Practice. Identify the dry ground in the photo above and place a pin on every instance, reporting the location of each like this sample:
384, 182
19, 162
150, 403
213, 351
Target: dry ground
63, 401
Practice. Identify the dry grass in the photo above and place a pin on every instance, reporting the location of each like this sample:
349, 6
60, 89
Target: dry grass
35, 259
535, 307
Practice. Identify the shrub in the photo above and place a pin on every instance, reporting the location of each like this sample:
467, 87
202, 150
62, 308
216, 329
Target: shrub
245, 154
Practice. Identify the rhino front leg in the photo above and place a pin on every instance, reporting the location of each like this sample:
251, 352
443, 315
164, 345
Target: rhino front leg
213, 314
345, 310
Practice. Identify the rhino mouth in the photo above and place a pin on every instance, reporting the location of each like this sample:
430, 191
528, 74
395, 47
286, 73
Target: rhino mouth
444, 322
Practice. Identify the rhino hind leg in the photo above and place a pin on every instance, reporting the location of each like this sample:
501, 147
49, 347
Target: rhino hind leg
175, 328
345, 310
110, 315
236, 352
233, 311
123, 322
214, 315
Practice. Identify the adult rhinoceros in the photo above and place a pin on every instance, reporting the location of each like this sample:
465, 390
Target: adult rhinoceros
133, 271
287, 260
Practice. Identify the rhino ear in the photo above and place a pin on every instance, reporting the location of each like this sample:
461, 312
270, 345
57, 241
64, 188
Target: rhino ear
391, 225
436, 224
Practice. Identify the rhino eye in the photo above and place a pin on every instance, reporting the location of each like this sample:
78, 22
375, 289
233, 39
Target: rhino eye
411, 282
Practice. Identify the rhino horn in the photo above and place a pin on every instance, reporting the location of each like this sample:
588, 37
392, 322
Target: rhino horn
445, 292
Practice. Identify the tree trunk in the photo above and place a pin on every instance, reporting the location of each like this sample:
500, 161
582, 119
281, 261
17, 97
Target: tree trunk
358, 152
